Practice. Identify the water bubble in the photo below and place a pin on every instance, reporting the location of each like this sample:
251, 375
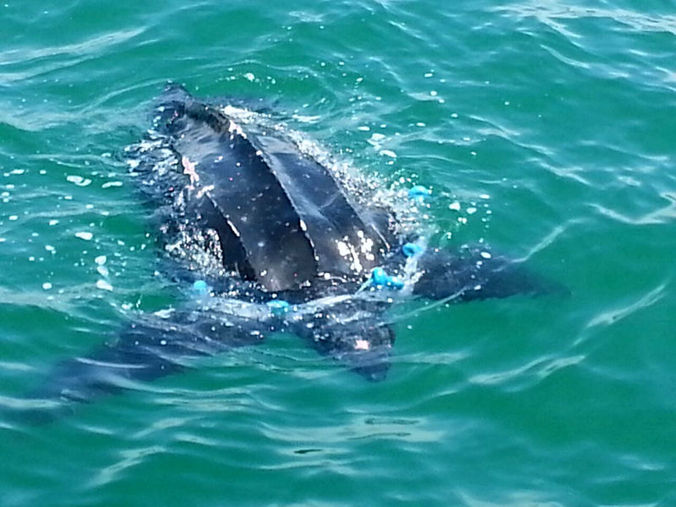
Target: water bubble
84, 235
78, 180
103, 285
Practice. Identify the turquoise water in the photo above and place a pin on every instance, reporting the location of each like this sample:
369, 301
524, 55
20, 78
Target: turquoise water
546, 130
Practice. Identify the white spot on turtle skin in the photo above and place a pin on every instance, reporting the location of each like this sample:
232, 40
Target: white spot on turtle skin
234, 229
486, 255
234, 128
367, 246
204, 190
46, 285
388, 153
101, 260
303, 226
343, 249
455, 206
361, 345
84, 235
189, 169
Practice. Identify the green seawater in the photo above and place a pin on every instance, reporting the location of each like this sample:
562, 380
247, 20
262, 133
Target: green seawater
546, 129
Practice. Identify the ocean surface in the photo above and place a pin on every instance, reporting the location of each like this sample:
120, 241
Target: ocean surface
546, 131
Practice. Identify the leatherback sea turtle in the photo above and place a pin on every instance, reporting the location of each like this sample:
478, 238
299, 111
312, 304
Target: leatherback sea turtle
270, 240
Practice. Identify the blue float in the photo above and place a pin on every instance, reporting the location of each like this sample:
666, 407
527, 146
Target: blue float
419, 192
200, 287
380, 279
411, 249
278, 307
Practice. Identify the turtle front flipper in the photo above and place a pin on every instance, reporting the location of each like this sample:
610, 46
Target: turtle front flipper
476, 274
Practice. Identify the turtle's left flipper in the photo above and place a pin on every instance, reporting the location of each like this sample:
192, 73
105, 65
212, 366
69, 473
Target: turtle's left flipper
147, 349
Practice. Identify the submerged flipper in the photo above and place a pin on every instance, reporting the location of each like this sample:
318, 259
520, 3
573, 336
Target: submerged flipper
475, 274
148, 349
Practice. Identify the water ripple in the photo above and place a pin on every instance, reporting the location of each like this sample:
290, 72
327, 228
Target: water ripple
561, 113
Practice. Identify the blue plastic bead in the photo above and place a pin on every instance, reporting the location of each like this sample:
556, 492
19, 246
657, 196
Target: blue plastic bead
419, 192
395, 283
379, 278
200, 287
411, 249
278, 307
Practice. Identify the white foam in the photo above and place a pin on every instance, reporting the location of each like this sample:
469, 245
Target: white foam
78, 180
103, 285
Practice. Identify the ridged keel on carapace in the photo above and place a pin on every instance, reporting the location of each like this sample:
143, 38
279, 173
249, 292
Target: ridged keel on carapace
281, 217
